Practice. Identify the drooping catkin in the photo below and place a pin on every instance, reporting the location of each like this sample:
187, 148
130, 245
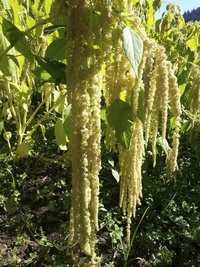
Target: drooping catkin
130, 184
161, 95
176, 111
84, 93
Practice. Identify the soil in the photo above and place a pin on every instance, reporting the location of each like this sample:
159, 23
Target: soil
39, 228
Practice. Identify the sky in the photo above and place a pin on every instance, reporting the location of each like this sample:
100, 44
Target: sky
184, 4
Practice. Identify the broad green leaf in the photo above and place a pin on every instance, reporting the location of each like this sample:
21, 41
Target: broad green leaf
22, 150
54, 68
66, 116
11, 205
184, 128
57, 49
193, 42
172, 127
186, 94
164, 145
29, 142
115, 174
15, 87
47, 6
133, 47
15, 8
53, 28
119, 117
61, 106
6, 4
14, 59
60, 134
17, 39
7, 66
42, 74
24, 100
103, 114
156, 4
30, 22
37, 12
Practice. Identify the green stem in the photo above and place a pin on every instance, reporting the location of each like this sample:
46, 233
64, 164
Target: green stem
7, 139
10, 102
46, 114
37, 109
126, 257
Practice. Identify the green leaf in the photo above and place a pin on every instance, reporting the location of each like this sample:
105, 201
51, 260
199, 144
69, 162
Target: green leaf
103, 114
54, 68
1, 126
156, 4
29, 142
7, 66
182, 81
66, 116
13, 58
61, 106
115, 174
57, 49
172, 127
133, 47
11, 205
119, 117
184, 128
6, 4
17, 39
22, 150
164, 145
43, 131
42, 74
24, 100
53, 28
60, 134
47, 6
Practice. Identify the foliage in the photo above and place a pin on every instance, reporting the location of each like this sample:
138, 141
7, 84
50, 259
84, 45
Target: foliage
100, 77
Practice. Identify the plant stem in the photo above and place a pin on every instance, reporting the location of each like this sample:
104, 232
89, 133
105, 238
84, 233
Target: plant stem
126, 257
46, 114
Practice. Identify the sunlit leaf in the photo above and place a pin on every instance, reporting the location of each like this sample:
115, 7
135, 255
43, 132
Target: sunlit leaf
17, 39
7, 66
54, 68
57, 49
60, 134
66, 116
133, 47
22, 150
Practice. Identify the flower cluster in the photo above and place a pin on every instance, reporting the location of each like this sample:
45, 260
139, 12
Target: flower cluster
84, 93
